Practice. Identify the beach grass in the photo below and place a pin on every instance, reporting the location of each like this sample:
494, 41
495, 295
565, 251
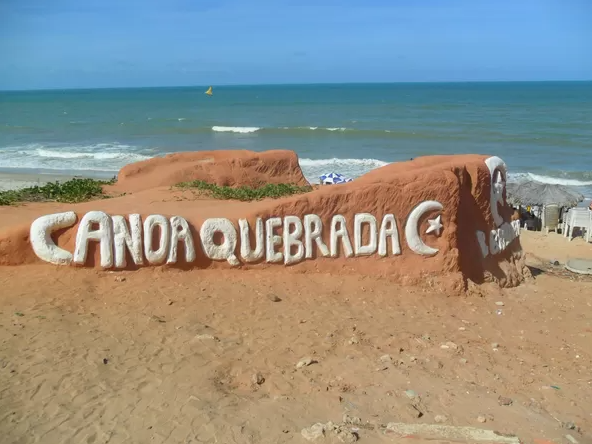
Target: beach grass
244, 193
70, 191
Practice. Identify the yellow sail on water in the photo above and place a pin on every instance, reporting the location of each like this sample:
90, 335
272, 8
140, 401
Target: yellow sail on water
209, 91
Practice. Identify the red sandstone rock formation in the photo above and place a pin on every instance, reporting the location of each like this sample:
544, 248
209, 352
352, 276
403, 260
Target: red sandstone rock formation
467, 229
229, 168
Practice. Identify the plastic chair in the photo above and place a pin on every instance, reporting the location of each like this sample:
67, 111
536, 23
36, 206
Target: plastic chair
579, 218
550, 218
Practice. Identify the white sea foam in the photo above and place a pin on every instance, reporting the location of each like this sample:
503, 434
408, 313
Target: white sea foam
520, 177
95, 157
365, 163
235, 129
87, 155
313, 168
559, 181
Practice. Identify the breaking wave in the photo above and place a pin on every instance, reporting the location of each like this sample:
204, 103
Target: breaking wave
105, 157
235, 129
567, 181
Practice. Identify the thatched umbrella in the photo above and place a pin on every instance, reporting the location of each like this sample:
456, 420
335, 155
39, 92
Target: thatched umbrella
537, 193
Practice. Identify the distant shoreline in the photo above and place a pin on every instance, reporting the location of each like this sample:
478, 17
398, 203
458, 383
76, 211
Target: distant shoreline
15, 181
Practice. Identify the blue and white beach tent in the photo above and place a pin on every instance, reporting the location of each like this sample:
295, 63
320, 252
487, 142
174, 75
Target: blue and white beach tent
334, 178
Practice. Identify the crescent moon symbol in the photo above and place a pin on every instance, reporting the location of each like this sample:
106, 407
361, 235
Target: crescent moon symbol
411, 228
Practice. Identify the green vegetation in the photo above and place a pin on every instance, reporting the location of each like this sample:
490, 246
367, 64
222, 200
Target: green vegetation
71, 191
245, 193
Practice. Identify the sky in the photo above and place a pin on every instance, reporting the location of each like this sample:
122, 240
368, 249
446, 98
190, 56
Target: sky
133, 43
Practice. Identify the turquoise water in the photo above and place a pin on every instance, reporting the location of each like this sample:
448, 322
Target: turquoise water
542, 130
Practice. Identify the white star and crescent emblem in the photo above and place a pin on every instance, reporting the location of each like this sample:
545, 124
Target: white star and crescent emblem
435, 226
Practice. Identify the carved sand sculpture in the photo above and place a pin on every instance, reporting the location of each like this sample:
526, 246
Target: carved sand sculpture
442, 218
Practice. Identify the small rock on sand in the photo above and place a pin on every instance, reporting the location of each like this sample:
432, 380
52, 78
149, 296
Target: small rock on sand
273, 298
351, 420
499, 303
502, 400
386, 359
305, 362
120, 279
206, 336
257, 378
440, 419
482, 419
313, 432
354, 340
347, 436
494, 345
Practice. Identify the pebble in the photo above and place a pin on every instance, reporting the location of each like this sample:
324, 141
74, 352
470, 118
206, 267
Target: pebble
354, 340
120, 279
257, 378
461, 328
273, 298
206, 336
105, 361
502, 400
413, 359
440, 419
462, 361
305, 362
313, 432
494, 345
570, 426
449, 345
386, 358
481, 419
425, 337
499, 304
347, 436
351, 420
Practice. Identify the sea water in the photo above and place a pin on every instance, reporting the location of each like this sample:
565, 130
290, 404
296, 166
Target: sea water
543, 130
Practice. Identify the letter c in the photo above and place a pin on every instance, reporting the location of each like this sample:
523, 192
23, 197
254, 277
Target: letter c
41, 241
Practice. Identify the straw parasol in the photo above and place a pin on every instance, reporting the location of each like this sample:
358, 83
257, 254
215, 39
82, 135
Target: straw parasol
538, 193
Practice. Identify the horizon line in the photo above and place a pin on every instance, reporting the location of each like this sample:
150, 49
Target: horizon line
226, 85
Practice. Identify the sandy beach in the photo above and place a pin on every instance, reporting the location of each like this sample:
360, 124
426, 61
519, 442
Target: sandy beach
15, 181
217, 355
210, 356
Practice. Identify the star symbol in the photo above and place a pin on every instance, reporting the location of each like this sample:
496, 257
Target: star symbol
435, 225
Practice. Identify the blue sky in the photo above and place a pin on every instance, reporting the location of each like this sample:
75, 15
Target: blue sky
115, 43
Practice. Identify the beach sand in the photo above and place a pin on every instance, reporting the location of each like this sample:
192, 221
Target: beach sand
162, 355
167, 356
15, 181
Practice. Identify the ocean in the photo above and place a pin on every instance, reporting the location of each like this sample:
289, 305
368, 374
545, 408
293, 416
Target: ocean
543, 130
